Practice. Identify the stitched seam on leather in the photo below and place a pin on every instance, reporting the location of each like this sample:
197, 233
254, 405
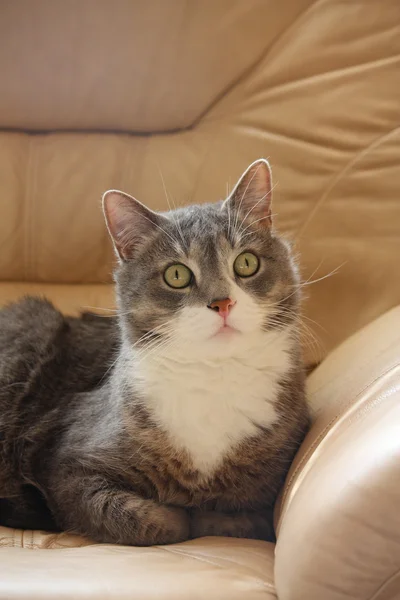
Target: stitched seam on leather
381, 588
25, 538
186, 555
339, 176
210, 562
26, 209
323, 433
232, 562
33, 220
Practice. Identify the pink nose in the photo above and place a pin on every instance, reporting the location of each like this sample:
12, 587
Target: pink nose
222, 307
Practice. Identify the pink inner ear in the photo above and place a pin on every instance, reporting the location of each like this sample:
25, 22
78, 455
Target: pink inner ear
127, 222
252, 196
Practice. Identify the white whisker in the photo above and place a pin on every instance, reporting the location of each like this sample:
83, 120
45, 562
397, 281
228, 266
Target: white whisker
177, 225
111, 310
171, 237
101, 308
152, 349
242, 234
243, 195
253, 207
333, 272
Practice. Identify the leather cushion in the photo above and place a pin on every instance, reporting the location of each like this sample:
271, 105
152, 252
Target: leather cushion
340, 502
39, 566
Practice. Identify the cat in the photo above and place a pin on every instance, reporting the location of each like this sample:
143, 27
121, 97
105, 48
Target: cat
180, 417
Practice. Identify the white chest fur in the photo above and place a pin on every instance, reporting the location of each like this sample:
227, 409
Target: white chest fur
207, 407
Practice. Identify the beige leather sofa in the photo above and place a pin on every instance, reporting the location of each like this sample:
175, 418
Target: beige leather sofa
181, 95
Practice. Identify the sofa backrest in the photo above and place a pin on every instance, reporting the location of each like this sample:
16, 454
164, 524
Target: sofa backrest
98, 95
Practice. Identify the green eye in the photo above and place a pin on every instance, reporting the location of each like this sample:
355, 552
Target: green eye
178, 276
246, 264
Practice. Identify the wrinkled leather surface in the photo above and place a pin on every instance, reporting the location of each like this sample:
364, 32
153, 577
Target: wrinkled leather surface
212, 568
340, 504
314, 86
139, 67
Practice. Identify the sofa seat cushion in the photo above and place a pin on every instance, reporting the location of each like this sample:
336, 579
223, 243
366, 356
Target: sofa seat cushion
40, 566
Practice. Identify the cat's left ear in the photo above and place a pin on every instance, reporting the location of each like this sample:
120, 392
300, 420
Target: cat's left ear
252, 195
129, 222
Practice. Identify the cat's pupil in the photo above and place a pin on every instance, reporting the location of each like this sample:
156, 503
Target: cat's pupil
247, 262
176, 274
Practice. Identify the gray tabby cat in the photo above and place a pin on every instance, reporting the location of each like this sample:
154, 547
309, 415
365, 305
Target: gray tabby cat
179, 420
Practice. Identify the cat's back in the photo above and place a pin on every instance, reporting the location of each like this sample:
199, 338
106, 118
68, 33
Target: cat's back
36, 339
46, 361
27, 328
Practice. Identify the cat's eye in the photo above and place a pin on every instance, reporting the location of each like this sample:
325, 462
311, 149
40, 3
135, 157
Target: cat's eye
178, 276
246, 264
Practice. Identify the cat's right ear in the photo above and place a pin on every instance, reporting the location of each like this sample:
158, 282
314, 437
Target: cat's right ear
129, 222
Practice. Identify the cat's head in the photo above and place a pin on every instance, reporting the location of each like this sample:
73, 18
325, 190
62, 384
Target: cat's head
206, 279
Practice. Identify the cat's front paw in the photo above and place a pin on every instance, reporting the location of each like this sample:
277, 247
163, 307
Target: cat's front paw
170, 525
241, 524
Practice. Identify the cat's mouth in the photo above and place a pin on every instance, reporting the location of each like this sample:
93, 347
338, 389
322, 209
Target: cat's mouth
226, 330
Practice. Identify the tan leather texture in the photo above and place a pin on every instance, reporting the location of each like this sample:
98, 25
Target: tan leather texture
70, 299
208, 568
136, 67
340, 502
314, 86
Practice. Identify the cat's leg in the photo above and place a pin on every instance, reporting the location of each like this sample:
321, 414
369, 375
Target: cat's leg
111, 515
255, 525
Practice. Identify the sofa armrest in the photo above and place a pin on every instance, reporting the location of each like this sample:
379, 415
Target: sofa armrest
338, 517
